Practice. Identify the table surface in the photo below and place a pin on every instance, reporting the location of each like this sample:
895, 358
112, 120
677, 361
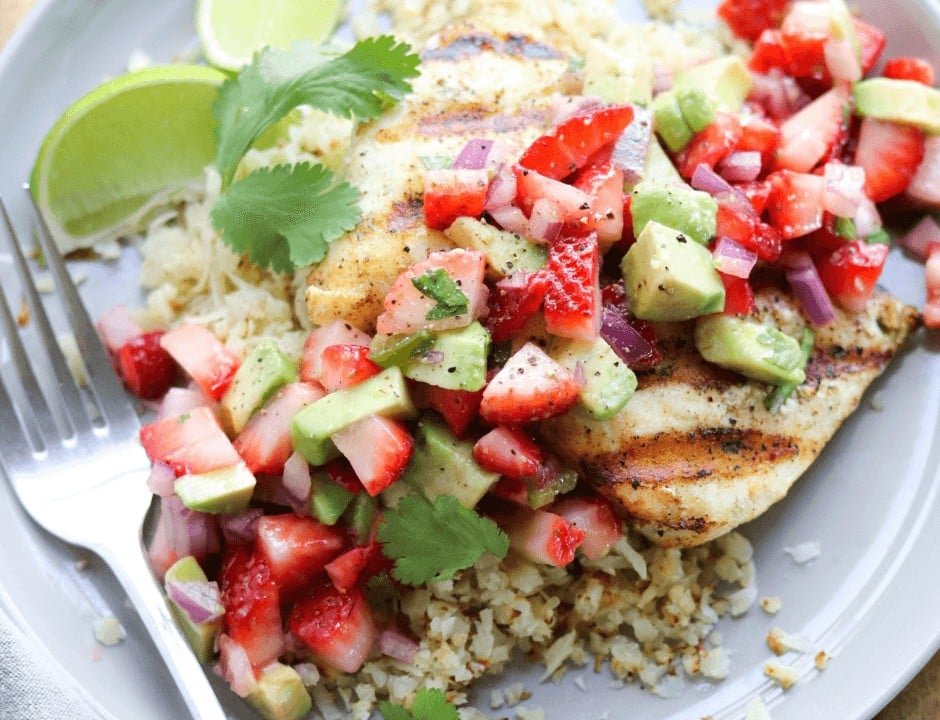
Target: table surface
918, 701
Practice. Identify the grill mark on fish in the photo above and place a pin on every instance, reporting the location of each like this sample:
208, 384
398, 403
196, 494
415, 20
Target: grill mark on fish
406, 214
480, 121
470, 44
837, 361
670, 457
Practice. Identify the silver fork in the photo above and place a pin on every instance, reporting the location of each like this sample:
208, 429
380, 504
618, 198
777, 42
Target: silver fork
82, 476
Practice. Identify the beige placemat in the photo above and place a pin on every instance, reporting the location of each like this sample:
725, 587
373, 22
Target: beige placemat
918, 701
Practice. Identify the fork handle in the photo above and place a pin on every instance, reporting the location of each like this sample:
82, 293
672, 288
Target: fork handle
132, 570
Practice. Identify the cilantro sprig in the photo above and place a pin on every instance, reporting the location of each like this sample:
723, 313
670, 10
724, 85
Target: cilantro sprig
429, 704
430, 542
284, 217
443, 289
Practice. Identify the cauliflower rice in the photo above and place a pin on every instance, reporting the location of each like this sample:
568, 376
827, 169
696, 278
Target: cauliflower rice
647, 613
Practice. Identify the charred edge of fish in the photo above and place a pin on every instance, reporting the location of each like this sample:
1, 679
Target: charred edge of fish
471, 44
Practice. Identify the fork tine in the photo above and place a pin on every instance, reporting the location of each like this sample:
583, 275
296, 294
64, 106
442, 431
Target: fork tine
69, 393
16, 447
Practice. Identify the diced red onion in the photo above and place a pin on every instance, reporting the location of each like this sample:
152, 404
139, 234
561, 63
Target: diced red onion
481, 154
580, 377
235, 667
296, 481
740, 166
925, 185
398, 646
663, 77
117, 327
867, 220
501, 191
189, 532
161, 480
511, 219
545, 221
240, 528
778, 93
199, 600
565, 107
809, 290
732, 258
845, 189
624, 339
920, 237
706, 179
842, 60
632, 147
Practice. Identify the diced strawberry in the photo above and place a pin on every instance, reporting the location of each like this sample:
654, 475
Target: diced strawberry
458, 407
739, 297
760, 134
251, 600
202, 356
513, 301
604, 184
573, 299
336, 333
569, 146
540, 536
804, 31
337, 627
509, 452
265, 442
378, 448
757, 192
407, 308
453, 193
117, 327
341, 472
235, 667
596, 517
932, 281
810, 135
736, 218
296, 548
749, 18
573, 204
849, 274
530, 387
179, 401
193, 443
346, 365
795, 205
344, 570
159, 552
909, 68
711, 145
890, 154
769, 52
146, 368
924, 188
871, 42
768, 242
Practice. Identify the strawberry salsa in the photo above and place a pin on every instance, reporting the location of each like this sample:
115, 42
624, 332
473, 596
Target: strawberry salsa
296, 499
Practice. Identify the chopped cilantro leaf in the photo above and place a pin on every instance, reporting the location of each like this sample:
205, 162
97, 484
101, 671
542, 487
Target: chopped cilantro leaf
430, 542
285, 216
440, 287
436, 162
880, 236
429, 704
362, 82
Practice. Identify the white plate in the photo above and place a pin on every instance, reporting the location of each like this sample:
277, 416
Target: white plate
870, 599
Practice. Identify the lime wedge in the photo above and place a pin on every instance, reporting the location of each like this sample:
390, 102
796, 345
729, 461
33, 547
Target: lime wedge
231, 31
125, 142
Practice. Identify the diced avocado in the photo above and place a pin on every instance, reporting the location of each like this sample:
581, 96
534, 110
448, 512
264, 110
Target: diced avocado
726, 80
388, 350
608, 382
444, 465
456, 359
328, 499
360, 516
669, 122
280, 694
750, 348
659, 168
505, 252
201, 636
383, 394
670, 278
691, 212
265, 370
616, 79
902, 101
227, 490
697, 108
542, 496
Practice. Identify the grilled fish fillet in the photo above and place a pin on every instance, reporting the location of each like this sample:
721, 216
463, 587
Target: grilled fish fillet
695, 453
473, 84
